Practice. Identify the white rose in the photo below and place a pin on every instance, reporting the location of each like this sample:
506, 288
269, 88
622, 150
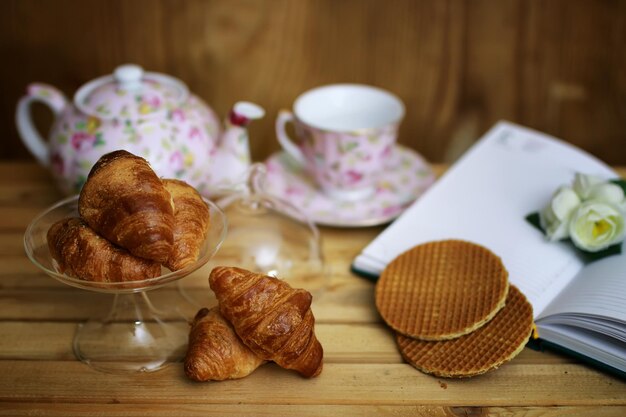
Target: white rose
589, 187
596, 225
583, 184
555, 216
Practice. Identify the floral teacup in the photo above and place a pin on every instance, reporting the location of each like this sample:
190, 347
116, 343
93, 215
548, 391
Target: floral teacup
345, 133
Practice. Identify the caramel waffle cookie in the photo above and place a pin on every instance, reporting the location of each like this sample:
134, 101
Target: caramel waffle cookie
485, 349
441, 290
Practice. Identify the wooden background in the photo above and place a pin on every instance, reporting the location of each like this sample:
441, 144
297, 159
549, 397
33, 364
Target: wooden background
459, 65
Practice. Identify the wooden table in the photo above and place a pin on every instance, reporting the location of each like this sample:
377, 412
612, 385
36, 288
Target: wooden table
363, 372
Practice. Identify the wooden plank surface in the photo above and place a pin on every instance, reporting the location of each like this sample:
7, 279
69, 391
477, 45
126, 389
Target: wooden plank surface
272, 410
363, 375
340, 383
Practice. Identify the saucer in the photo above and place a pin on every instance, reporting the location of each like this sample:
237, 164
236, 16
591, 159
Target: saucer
406, 176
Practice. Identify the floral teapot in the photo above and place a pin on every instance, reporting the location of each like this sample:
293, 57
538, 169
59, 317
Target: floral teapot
149, 114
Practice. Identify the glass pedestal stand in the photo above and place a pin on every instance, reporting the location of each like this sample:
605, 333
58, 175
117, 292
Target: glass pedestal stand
133, 337
136, 335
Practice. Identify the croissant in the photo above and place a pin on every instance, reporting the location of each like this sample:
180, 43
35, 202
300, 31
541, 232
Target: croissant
215, 352
82, 253
271, 318
124, 201
191, 223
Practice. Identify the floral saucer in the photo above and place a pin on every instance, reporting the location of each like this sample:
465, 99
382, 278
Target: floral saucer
406, 176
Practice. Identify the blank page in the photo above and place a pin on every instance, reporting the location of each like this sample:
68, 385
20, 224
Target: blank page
485, 197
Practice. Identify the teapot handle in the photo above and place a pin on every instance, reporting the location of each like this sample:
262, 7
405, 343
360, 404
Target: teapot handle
48, 95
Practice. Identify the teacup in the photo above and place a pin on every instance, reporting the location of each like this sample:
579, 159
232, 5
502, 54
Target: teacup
344, 134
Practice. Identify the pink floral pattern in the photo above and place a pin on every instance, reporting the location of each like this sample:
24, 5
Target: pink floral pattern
82, 140
173, 145
405, 177
151, 115
345, 160
110, 100
149, 104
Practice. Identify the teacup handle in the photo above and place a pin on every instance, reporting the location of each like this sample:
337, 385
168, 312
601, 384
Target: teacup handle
54, 99
284, 117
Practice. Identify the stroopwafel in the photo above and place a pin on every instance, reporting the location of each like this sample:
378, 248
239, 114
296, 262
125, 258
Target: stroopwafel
441, 290
495, 343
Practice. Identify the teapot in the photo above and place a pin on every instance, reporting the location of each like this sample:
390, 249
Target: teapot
149, 114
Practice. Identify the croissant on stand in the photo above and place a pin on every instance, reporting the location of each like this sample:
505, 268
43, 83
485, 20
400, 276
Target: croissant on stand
81, 252
124, 201
131, 222
272, 319
191, 223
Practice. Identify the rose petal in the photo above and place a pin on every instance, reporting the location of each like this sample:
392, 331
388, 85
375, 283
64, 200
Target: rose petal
584, 182
564, 202
557, 231
607, 193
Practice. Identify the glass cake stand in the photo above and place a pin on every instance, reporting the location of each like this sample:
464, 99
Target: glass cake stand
135, 335
271, 236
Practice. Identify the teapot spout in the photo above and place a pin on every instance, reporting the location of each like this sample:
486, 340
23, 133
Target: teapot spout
243, 112
234, 140
231, 160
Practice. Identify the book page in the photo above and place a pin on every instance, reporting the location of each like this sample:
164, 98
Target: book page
485, 197
605, 349
598, 291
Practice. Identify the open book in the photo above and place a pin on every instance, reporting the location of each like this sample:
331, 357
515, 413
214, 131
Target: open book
484, 198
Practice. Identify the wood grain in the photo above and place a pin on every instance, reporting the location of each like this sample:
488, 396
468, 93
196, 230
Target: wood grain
386, 384
363, 375
459, 65
169, 410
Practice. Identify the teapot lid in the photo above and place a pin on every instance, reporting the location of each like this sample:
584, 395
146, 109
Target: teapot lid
130, 93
